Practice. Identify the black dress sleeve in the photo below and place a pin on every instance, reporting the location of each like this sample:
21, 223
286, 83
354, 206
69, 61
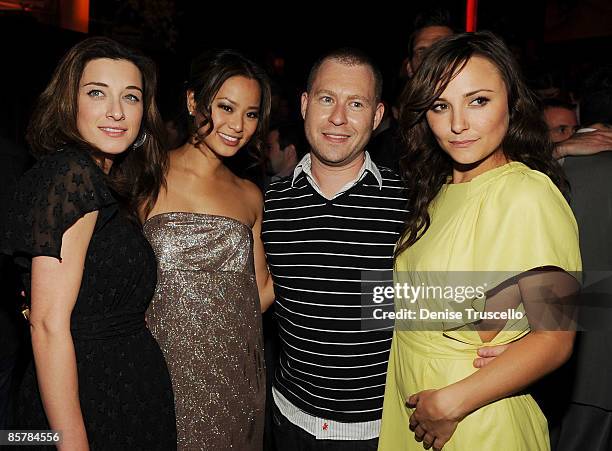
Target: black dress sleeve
49, 198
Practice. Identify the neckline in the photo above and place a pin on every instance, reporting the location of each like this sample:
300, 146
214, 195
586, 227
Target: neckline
488, 175
167, 213
86, 154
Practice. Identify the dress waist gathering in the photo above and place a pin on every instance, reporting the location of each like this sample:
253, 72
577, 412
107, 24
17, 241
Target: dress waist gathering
107, 327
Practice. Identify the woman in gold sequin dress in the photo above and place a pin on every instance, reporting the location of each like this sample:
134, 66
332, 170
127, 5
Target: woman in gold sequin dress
212, 274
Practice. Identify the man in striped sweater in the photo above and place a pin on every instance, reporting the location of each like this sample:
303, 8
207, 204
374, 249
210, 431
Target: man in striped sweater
325, 227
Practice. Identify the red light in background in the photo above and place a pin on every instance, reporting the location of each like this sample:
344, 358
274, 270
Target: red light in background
471, 15
11, 6
74, 15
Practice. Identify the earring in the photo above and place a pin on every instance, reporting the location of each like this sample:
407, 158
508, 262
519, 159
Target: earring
191, 113
140, 141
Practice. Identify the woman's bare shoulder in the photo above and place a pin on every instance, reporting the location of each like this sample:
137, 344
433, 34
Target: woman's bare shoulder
253, 194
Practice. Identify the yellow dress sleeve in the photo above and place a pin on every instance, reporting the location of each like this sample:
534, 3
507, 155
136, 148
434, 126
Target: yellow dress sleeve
526, 223
523, 223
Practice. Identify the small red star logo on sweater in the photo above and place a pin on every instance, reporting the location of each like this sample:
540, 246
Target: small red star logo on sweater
325, 426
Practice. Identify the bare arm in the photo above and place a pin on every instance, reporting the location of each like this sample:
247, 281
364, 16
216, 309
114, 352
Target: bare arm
587, 143
55, 287
264, 279
438, 412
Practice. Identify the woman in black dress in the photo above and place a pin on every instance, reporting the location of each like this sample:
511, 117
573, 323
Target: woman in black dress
99, 376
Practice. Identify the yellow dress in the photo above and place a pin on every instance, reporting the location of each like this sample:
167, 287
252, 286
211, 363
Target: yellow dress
501, 223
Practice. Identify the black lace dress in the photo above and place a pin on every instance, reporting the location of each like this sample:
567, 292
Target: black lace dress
124, 386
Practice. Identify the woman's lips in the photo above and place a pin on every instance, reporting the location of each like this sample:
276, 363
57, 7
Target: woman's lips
463, 143
229, 140
113, 132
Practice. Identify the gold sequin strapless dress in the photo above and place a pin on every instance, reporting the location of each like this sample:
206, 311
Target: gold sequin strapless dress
207, 319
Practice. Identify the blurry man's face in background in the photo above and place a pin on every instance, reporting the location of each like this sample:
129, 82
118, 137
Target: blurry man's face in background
562, 123
276, 157
422, 41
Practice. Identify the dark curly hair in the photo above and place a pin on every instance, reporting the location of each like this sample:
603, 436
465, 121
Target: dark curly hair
136, 174
424, 165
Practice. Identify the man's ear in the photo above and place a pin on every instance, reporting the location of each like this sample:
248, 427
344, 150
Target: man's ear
378, 115
304, 104
290, 152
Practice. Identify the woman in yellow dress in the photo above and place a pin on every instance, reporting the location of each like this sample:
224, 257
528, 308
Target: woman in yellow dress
489, 223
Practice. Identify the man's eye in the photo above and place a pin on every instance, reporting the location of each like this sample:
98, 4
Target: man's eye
326, 99
356, 104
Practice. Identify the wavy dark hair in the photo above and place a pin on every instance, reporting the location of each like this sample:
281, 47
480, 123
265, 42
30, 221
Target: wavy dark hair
424, 165
136, 174
207, 74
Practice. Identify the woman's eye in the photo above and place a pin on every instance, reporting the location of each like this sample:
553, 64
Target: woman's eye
253, 115
95, 93
438, 107
479, 101
132, 98
225, 108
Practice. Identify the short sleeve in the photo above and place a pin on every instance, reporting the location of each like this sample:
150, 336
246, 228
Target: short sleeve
524, 223
49, 198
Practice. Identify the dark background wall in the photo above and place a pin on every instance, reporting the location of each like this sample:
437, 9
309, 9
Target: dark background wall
569, 34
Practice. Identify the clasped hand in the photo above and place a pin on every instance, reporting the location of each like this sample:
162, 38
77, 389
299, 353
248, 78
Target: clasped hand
436, 413
434, 419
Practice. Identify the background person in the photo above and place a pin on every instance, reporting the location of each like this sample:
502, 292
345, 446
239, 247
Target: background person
286, 146
587, 420
429, 27
561, 119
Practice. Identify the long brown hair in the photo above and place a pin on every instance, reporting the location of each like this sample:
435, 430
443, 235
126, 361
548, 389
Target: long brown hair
136, 174
424, 165
208, 73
